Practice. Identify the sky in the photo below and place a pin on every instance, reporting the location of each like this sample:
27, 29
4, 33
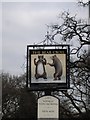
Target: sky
41, 0
26, 23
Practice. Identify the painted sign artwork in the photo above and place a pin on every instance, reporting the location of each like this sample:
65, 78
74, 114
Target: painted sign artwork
48, 66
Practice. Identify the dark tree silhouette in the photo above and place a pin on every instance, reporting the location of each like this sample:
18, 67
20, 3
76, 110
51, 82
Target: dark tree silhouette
76, 33
17, 102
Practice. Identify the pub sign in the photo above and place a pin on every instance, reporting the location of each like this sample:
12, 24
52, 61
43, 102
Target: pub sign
48, 66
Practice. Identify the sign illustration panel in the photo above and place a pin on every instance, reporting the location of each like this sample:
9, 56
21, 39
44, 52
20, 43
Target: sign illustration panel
48, 66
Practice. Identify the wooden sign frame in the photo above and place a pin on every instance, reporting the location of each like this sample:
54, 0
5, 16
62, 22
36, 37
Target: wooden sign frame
47, 51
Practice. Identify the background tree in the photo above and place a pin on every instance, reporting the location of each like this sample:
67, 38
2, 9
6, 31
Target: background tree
76, 33
17, 102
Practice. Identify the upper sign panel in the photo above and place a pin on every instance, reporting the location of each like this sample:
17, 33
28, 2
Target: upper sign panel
48, 67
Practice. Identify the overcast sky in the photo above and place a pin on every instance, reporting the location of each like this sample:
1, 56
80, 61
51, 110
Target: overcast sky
41, 0
25, 23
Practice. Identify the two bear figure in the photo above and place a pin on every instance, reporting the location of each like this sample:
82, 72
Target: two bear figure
40, 71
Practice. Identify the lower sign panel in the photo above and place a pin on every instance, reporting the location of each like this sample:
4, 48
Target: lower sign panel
48, 108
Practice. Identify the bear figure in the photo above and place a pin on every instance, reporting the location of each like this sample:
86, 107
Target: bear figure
40, 67
58, 67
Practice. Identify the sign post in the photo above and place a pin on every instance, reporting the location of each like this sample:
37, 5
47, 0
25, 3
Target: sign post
48, 71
